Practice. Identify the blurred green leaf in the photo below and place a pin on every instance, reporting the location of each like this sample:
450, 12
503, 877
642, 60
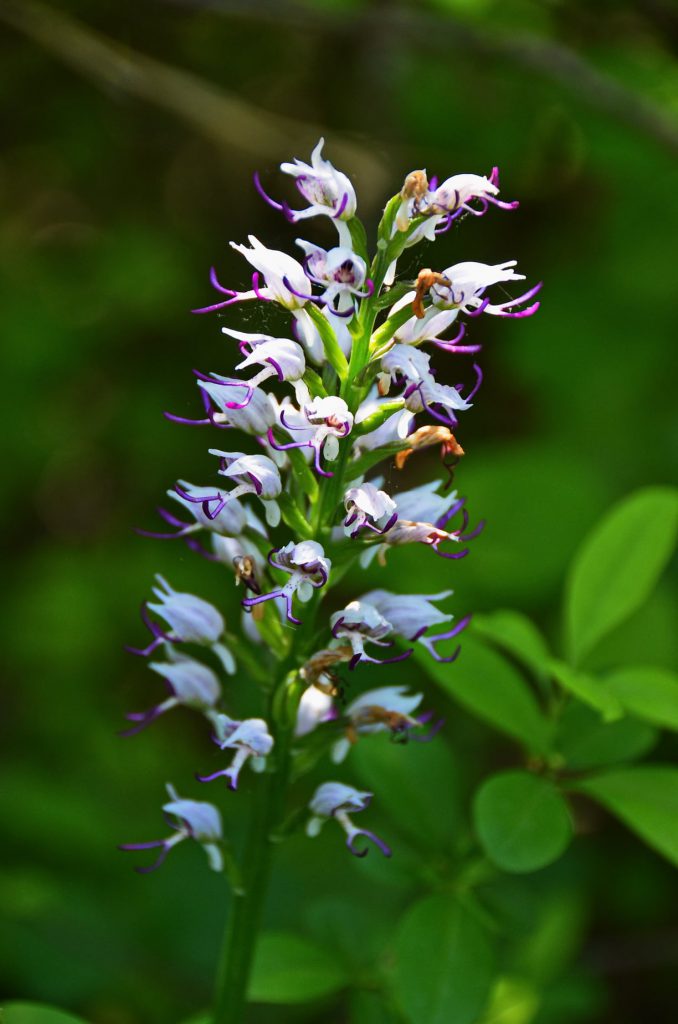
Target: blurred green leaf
413, 776
34, 1013
586, 741
290, 969
335, 920
618, 565
522, 821
644, 798
554, 937
647, 691
489, 687
588, 689
444, 967
370, 1008
516, 634
513, 1001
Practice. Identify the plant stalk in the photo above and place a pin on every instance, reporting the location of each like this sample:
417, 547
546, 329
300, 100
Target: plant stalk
245, 917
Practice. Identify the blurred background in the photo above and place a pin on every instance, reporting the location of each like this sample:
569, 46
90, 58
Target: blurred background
129, 141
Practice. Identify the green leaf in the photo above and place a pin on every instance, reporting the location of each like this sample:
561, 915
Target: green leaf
386, 330
584, 740
359, 238
648, 692
290, 969
488, 686
329, 339
588, 689
414, 777
516, 634
36, 1013
443, 972
370, 1008
513, 1001
618, 565
335, 920
522, 821
645, 798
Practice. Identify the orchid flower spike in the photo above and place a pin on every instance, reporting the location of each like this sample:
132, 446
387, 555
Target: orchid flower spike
191, 620
386, 709
308, 569
251, 740
335, 800
192, 820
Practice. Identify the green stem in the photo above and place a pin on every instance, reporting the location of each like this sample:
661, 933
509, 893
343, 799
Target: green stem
245, 916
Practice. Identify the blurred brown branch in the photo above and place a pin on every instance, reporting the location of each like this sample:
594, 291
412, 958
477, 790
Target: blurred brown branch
438, 33
231, 122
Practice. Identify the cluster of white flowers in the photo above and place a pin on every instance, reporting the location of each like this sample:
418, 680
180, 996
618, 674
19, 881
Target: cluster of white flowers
349, 388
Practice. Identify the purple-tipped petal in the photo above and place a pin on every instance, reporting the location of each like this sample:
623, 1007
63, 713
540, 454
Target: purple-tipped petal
481, 308
433, 731
300, 295
143, 718
379, 843
129, 847
264, 195
316, 462
212, 777
214, 281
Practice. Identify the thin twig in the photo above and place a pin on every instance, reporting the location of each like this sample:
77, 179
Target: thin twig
228, 120
434, 33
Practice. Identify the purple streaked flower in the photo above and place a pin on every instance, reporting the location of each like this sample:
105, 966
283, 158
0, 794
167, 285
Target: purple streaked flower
331, 419
430, 327
253, 474
254, 417
190, 683
422, 391
467, 283
342, 274
337, 801
360, 623
427, 328
191, 619
315, 706
275, 267
250, 739
193, 819
413, 615
368, 508
279, 358
422, 518
328, 191
308, 569
456, 194
229, 522
386, 709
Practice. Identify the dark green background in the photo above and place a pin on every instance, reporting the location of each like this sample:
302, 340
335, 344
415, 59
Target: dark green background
119, 190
